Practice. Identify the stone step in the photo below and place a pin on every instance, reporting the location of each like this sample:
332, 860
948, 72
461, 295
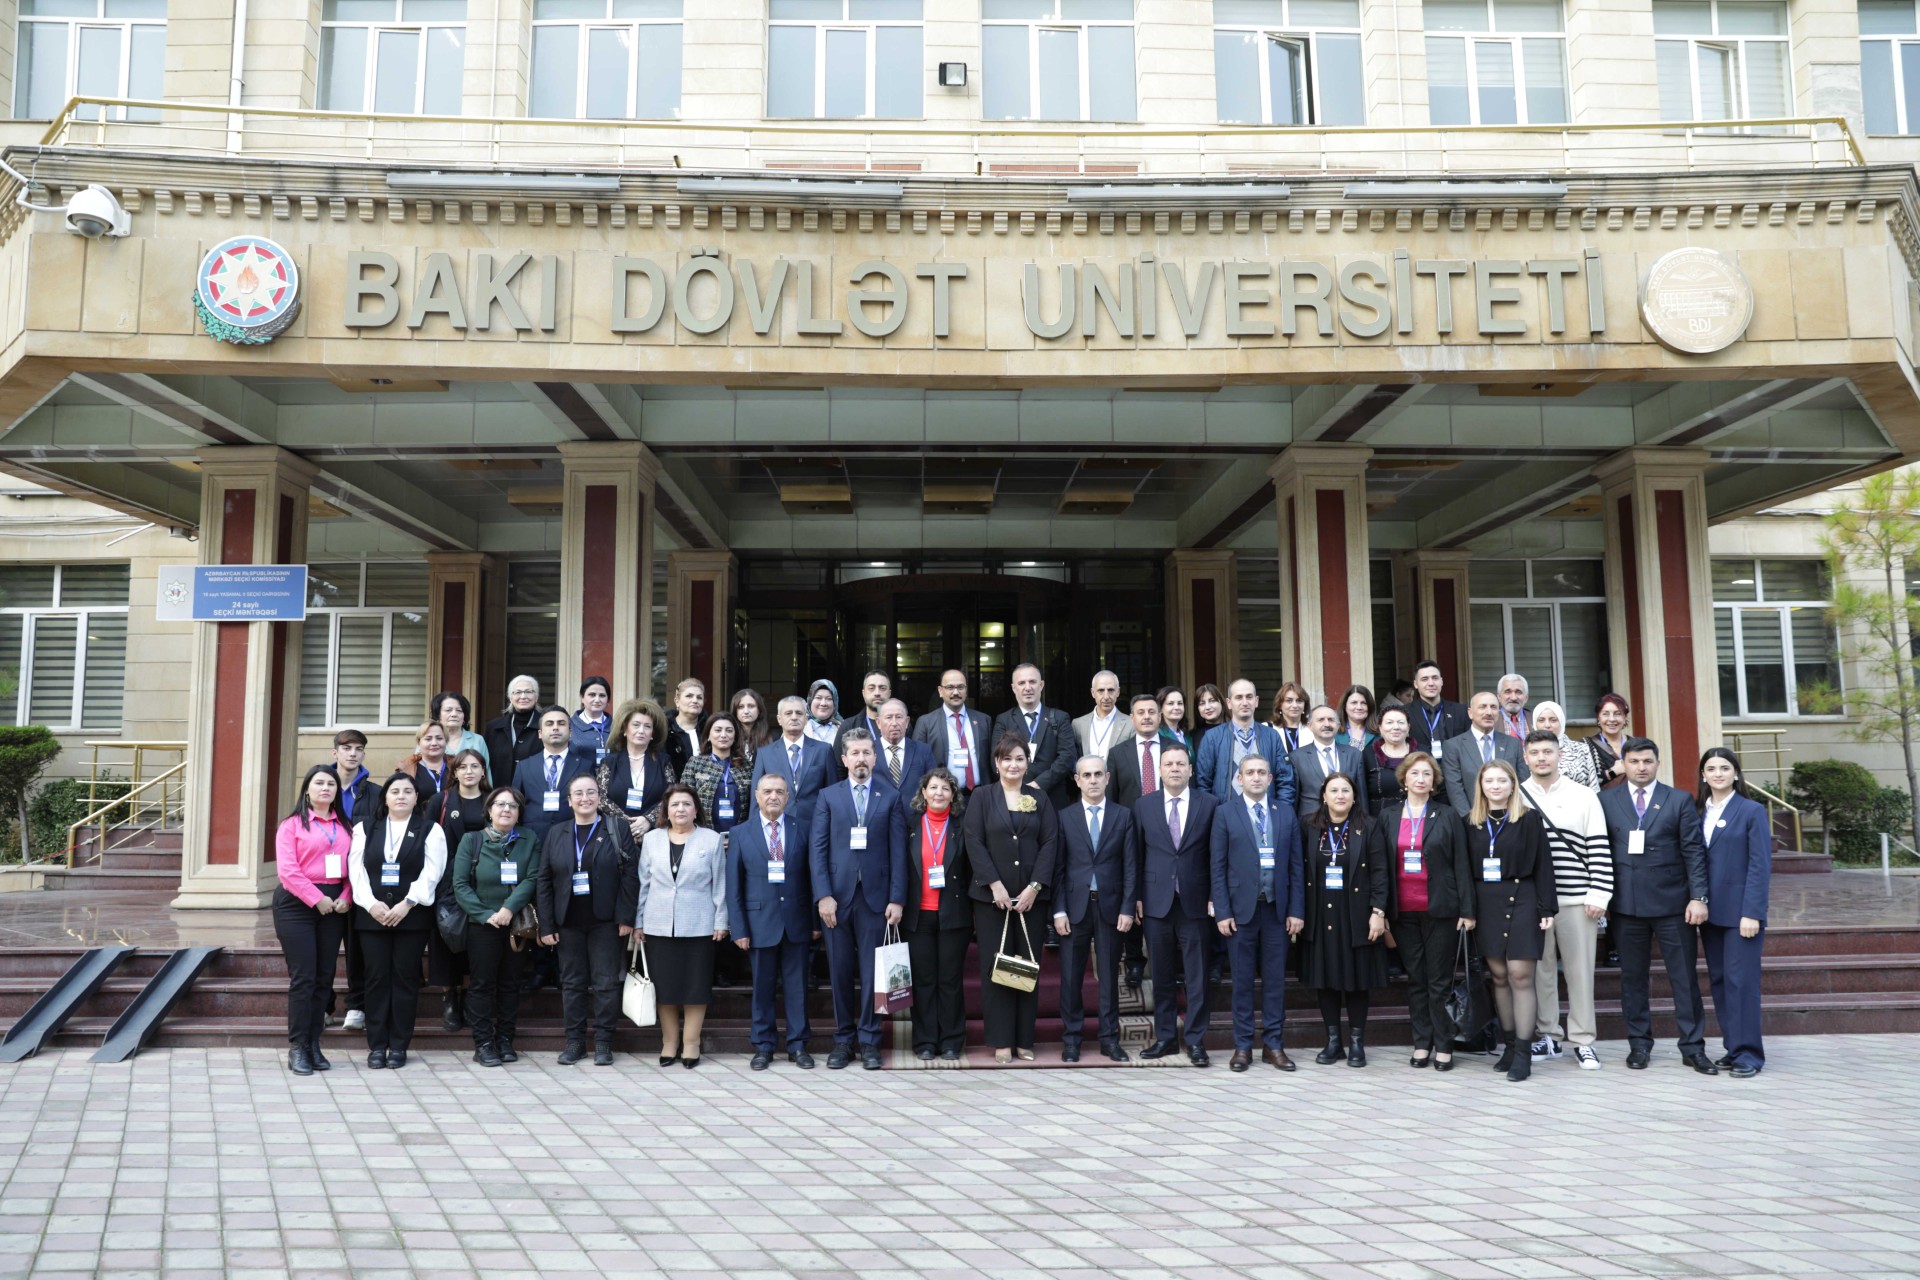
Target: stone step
1788, 862
113, 878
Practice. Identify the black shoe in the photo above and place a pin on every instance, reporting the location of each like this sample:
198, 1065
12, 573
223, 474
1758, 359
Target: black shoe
603, 1055
1136, 974
1740, 1071
1522, 1067
837, 1060
925, 1055
300, 1060
1334, 1051
376, 1059
1637, 1059
690, 1063
1113, 1050
1241, 1060
450, 1019
1448, 1064
396, 1059
1724, 1062
572, 1053
1506, 1059
761, 1060
801, 1059
488, 1056
504, 1047
320, 1062
1417, 1063
1357, 1051
1070, 1053
870, 1058
1197, 1055
667, 1060
1699, 1062
1158, 1049
949, 1055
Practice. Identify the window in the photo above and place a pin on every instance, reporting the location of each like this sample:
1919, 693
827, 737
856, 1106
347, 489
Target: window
364, 657
401, 57
845, 59
533, 623
1057, 59
94, 48
1380, 589
1778, 653
1721, 60
63, 643
605, 60
1262, 654
1889, 67
1288, 62
1546, 620
1508, 65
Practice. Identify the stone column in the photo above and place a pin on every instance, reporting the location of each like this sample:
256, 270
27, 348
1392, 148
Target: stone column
699, 620
606, 567
1203, 644
241, 728
1610, 62
1432, 589
459, 603
1326, 612
1660, 600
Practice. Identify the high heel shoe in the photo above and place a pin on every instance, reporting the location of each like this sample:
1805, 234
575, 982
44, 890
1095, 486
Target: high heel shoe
1440, 1064
692, 1060
1418, 1061
667, 1060
1025, 1055
1003, 1056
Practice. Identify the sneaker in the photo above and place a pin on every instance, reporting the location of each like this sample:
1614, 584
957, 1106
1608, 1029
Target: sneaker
1545, 1047
1589, 1060
356, 1020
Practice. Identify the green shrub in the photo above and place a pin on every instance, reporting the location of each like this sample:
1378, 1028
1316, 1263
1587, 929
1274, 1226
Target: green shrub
25, 753
1856, 832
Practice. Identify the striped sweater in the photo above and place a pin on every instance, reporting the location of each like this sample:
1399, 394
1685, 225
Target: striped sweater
1577, 834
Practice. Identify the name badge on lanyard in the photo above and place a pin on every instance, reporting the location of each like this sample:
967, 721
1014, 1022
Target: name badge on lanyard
581, 885
723, 809
389, 875
509, 873
857, 838
1412, 862
776, 872
636, 799
936, 876
1266, 859
332, 865
551, 802
1636, 841
1490, 865
1336, 874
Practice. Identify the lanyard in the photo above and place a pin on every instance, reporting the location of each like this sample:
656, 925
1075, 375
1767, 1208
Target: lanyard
926, 834
637, 776
1494, 828
1292, 736
727, 783
439, 778
392, 853
1418, 824
1334, 843
598, 728
1433, 720
580, 846
333, 831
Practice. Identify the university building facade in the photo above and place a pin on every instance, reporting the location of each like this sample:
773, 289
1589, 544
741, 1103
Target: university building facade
772, 340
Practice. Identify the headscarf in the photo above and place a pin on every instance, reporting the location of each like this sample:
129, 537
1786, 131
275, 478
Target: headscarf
1576, 763
816, 728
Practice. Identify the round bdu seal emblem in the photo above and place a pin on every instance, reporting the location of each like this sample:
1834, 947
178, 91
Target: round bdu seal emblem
248, 291
1697, 301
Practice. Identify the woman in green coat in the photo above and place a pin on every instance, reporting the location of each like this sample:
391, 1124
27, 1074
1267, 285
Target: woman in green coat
493, 879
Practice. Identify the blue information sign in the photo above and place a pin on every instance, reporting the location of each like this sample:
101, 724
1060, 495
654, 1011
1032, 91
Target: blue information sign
232, 593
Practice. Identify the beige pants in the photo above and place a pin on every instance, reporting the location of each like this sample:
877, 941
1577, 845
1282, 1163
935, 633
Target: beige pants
1568, 951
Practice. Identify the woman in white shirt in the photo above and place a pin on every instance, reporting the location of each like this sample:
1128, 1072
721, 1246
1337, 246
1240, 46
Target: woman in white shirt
394, 870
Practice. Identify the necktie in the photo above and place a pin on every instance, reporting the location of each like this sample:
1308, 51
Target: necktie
553, 772
1033, 724
1260, 823
1173, 820
960, 729
1093, 840
860, 805
793, 759
1640, 802
1329, 765
1486, 749
773, 843
1146, 769
893, 762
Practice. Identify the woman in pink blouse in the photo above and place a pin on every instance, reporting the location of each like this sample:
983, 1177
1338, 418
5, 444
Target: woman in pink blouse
310, 910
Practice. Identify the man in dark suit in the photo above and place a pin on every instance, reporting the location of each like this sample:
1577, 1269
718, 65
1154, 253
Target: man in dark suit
1433, 718
1048, 733
806, 763
1659, 892
1143, 744
899, 761
1481, 744
1325, 756
1176, 828
858, 868
770, 905
1515, 720
875, 688
543, 779
1093, 904
1259, 899
1216, 770
958, 736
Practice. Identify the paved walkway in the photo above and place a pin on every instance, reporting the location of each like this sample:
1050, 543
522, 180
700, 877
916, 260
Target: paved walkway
196, 1163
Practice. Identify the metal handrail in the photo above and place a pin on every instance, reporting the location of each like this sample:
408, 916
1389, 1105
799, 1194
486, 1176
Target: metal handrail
1772, 801
99, 814
1887, 841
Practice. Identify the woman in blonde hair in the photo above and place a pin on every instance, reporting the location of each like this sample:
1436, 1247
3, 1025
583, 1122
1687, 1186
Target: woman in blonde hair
1513, 871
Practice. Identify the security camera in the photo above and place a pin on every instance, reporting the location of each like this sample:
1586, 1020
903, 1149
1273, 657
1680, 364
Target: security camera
94, 212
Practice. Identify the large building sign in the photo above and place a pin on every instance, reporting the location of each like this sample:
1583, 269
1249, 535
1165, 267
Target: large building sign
247, 291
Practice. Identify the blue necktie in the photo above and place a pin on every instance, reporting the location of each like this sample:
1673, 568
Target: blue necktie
1486, 749
1033, 723
1260, 823
1093, 838
860, 806
793, 757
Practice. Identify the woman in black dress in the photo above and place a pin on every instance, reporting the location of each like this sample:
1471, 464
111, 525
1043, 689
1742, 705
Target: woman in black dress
1513, 872
1011, 840
1346, 919
1384, 756
459, 809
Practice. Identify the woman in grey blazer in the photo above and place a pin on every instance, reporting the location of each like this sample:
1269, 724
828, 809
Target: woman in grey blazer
682, 912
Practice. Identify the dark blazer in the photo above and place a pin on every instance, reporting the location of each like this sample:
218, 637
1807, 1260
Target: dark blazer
679, 751
1673, 870
503, 753
1115, 864
617, 772
803, 788
915, 759
1237, 878
1740, 863
1364, 876
878, 872
1451, 721
1055, 750
1123, 769
1309, 775
1461, 764
763, 913
858, 720
1017, 849
1524, 855
931, 729
956, 906
1162, 865
612, 873
1213, 763
1443, 851
1383, 779
530, 780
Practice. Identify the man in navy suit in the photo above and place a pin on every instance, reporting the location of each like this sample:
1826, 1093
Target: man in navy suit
858, 865
959, 737
1176, 824
1326, 755
1093, 904
806, 764
771, 907
1221, 753
1048, 732
1659, 892
542, 779
898, 760
1259, 897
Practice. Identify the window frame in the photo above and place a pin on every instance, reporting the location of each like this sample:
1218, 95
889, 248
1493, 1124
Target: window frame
869, 29
1534, 600
1512, 43
1289, 32
1896, 42
30, 617
1783, 613
549, 673
69, 83
1738, 45
370, 65
331, 615
582, 52
1081, 26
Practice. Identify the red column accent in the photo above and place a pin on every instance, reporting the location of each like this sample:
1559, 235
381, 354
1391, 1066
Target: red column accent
1446, 633
1336, 633
701, 642
1206, 649
597, 621
1293, 587
279, 637
1676, 613
230, 691
453, 635
1630, 570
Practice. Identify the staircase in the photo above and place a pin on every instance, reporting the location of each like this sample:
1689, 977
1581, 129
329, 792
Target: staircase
133, 859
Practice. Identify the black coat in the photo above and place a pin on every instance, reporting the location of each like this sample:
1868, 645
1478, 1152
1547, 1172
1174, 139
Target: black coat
956, 911
616, 775
1660, 881
503, 751
611, 870
1451, 721
1017, 849
1055, 750
1443, 847
1365, 880
1524, 855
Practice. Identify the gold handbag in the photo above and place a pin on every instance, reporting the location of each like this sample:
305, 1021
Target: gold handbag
1022, 973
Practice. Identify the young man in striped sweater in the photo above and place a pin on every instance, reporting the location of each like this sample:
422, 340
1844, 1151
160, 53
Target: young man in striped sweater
1583, 878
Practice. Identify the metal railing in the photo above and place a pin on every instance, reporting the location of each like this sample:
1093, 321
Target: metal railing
1000, 149
1887, 842
1767, 756
150, 801
1777, 809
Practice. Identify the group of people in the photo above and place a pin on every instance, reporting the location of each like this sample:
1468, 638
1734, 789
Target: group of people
1332, 836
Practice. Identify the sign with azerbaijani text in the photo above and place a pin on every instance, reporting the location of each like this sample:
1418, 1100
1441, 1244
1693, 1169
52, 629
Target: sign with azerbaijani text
231, 593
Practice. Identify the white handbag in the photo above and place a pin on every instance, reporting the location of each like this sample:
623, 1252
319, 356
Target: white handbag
636, 995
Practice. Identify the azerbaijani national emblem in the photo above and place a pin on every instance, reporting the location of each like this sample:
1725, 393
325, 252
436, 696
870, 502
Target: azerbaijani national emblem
247, 292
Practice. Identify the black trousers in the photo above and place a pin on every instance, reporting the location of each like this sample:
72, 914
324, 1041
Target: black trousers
1428, 947
939, 959
1679, 941
446, 967
311, 944
1176, 947
1096, 938
1009, 1015
493, 996
356, 970
393, 982
591, 964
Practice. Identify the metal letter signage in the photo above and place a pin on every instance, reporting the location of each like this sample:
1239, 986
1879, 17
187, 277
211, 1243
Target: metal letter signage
247, 292
1697, 301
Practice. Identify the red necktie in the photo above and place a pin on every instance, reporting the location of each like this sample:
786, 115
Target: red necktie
1146, 768
960, 727
773, 850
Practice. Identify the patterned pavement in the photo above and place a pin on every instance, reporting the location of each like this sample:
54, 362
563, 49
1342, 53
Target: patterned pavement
187, 1163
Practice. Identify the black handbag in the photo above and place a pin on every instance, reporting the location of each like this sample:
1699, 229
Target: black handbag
1459, 1003
452, 922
